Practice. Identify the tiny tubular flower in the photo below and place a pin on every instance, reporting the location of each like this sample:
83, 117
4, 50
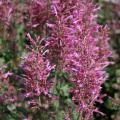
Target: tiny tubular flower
36, 71
83, 48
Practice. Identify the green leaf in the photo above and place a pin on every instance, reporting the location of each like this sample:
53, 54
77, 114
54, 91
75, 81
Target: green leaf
64, 90
60, 115
56, 104
11, 107
76, 116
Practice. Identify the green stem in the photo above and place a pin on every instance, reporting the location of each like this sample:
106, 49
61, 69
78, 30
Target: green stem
78, 118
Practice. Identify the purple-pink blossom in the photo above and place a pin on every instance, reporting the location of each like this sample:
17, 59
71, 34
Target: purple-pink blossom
36, 71
83, 50
6, 10
39, 12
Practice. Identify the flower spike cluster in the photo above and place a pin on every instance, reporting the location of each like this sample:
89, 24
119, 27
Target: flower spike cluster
77, 45
6, 9
39, 13
37, 70
84, 50
69, 41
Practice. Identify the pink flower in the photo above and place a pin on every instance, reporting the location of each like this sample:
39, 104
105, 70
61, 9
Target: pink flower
36, 71
83, 50
6, 10
39, 12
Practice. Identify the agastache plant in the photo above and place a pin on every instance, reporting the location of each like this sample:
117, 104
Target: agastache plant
36, 71
84, 51
68, 41
39, 13
6, 10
